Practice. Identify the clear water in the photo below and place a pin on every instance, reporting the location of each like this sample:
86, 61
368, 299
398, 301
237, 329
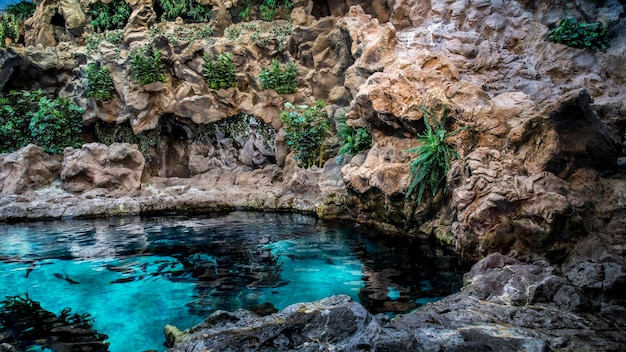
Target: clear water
135, 275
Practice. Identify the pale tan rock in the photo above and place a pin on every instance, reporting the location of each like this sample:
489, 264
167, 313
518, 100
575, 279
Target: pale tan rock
27, 169
117, 168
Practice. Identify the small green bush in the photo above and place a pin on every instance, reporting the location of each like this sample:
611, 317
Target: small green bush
146, 65
113, 15
22, 10
99, 84
269, 8
281, 79
31, 117
352, 141
219, 71
432, 159
580, 35
307, 128
186, 9
9, 28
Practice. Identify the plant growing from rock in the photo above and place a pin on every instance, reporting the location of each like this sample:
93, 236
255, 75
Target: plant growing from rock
99, 84
281, 79
219, 71
307, 128
187, 9
112, 15
432, 158
146, 65
31, 117
22, 10
580, 35
269, 8
9, 28
352, 141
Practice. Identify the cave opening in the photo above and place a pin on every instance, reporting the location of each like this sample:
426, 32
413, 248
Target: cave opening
57, 20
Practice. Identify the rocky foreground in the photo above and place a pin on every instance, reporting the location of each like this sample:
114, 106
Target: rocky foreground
537, 199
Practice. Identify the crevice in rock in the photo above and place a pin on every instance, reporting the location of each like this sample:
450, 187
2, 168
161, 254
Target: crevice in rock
321, 8
584, 140
57, 20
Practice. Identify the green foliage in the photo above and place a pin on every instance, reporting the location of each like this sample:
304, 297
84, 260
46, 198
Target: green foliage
187, 9
146, 65
99, 84
232, 33
353, 140
109, 133
9, 28
22, 10
282, 80
92, 41
245, 13
580, 35
24, 324
113, 15
31, 117
269, 8
307, 128
432, 159
219, 71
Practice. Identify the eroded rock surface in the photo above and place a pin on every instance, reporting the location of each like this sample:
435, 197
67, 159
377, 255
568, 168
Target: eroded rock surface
116, 168
28, 169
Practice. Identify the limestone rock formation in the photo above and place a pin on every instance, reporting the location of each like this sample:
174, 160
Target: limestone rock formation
27, 169
116, 168
332, 323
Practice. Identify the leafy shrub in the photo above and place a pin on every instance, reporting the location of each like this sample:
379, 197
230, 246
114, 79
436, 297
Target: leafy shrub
219, 71
307, 128
269, 8
353, 140
9, 28
432, 159
31, 117
187, 9
282, 80
580, 35
109, 133
99, 84
22, 10
112, 15
92, 41
146, 65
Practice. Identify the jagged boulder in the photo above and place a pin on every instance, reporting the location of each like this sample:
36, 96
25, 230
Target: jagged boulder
27, 169
334, 323
116, 168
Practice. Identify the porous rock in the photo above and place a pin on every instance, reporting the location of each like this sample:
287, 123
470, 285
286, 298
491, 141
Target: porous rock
27, 169
117, 168
334, 323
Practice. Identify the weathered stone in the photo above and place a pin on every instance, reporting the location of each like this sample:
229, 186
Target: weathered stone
331, 323
117, 168
27, 169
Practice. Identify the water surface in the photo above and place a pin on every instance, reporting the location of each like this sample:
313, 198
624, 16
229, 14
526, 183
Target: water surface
135, 275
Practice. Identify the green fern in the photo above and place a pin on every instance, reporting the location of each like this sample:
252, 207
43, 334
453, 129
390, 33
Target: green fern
113, 15
187, 9
219, 71
146, 65
432, 159
281, 79
99, 84
22, 10
353, 141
